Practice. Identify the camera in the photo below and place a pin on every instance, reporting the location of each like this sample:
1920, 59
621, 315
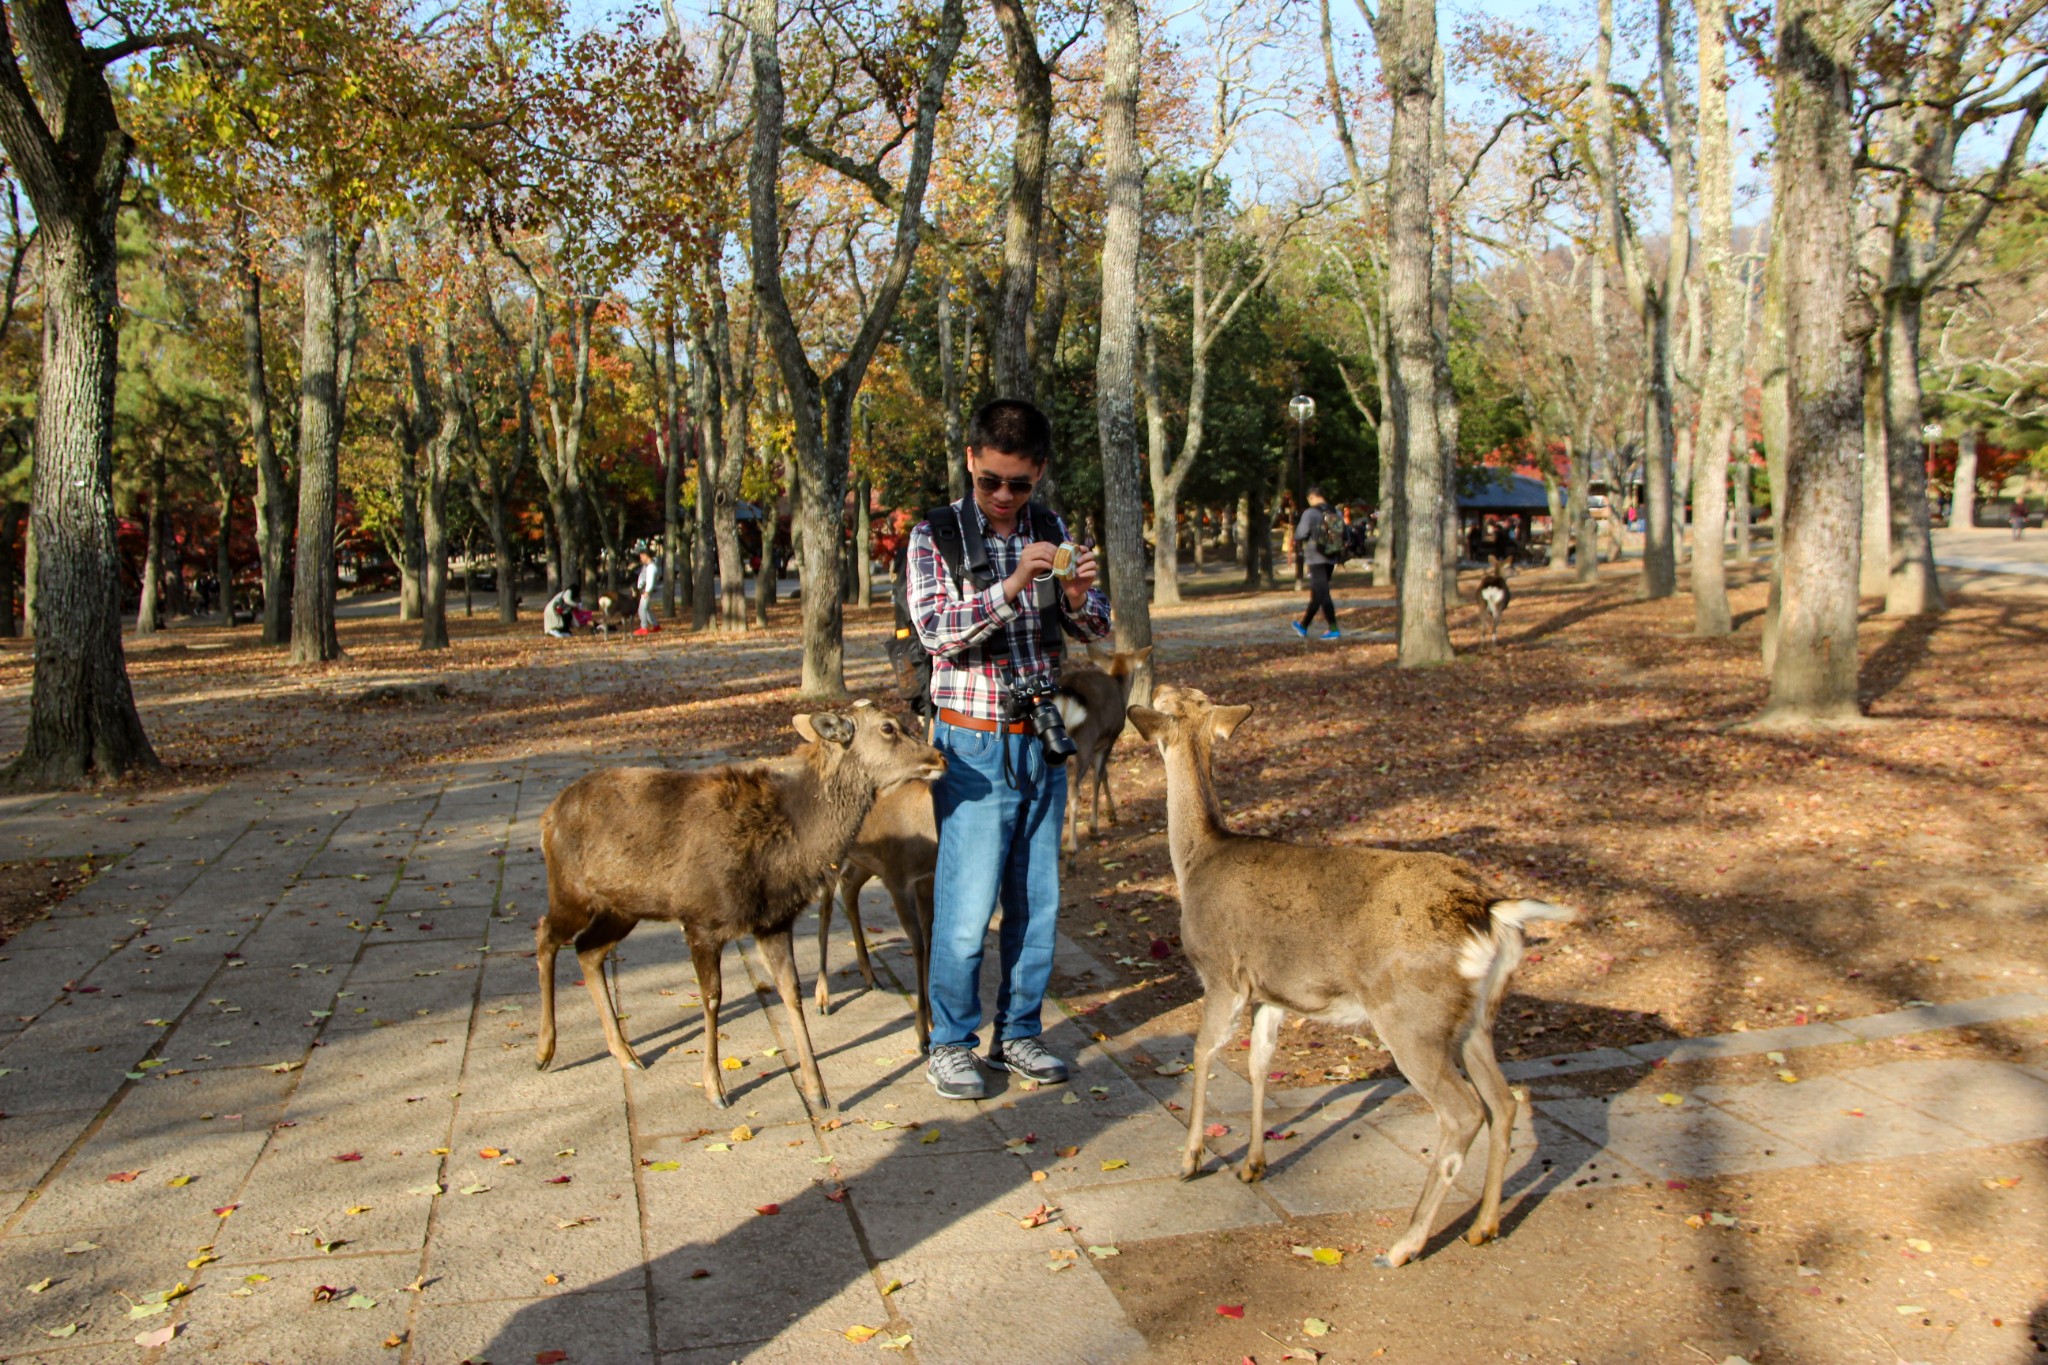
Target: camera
1032, 699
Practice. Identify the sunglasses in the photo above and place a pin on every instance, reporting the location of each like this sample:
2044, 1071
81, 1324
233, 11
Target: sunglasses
990, 483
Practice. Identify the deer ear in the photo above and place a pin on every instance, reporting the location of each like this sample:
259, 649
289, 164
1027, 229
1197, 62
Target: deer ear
805, 728
1225, 719
833, 728
1144, 654
1148, 721
1097, 652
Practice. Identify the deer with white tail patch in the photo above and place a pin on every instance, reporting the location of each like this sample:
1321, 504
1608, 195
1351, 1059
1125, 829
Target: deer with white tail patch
1415, 943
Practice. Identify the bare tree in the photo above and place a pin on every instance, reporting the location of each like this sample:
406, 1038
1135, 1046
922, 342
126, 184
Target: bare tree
1719, 399
327, 346
822, 405
1813, 674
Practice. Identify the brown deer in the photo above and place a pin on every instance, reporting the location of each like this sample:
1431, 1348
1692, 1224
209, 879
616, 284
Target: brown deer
1493, 599
1416, 943
724, 852
899, 845
1091, 702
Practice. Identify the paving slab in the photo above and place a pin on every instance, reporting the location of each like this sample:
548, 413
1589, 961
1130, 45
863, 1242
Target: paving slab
799, 1275
1692, 1139
597, 1327
1141, 1210
278, 1319
1924, 1018
1838, 1120
993, 1307
1994, 1101
965, 1203
1747, 1044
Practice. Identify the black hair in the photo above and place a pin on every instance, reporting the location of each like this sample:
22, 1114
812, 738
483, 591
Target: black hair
1011, 426
1315, 490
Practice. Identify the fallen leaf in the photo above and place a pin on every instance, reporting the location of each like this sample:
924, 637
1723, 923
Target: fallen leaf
768, 1210
225, 1209
1920, 1244
123, 1177
892, 1286
1216, 1130
929, 1138
350, 1156
1908, 1309
1115, 1164
1170, 1069
716, 1147
1037, 1218
1315, 1327
2001, 1182
549, 1357
325, 1293
901, 1343
1668, 1098
426, 1189
149, 1341
61, 1332
742, 1134
1070, 1098
360, 1301
394, 1341
860, 1335
489, 1153
178, 1182
256, 1277
732, 1064
1103, 1253
478, 1188
1230, 1310
1069, 1151
40, 1285
202, 1259
1788, 1077
664, 1165
80, 1248
551, 1279
356, 1209
559, 1179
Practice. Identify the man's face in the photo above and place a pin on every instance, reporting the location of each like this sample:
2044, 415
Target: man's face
1019, 475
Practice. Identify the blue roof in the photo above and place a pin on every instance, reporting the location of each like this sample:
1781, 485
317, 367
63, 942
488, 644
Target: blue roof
1506, 493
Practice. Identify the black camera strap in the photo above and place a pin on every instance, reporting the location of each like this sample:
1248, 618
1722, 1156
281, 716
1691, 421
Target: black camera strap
956, 534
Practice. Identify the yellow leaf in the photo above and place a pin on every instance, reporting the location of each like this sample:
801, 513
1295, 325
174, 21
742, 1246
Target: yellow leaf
1788, 1077
1327, 1256
1920, 1244
179, 1181
892, 1286
1668, 1098
859, 1335
929, 1138
741, 1134
359, 1208
1115, 1165
1315, 1327
551, 1279
732, 1064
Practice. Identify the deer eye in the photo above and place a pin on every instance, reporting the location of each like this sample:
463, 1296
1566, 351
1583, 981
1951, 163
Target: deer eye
888, 728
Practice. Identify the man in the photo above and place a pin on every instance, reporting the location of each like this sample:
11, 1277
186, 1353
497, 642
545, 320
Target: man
1306, 535
648, 580
1000, 804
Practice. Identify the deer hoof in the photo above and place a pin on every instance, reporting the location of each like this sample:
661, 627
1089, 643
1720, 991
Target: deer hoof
1190, 1168
629, 1062
823, 1003
545, 1055
718, 1100
1481, 1236
1250, 1172
1385, 1262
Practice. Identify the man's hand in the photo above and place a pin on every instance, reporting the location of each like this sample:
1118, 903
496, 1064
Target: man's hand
1034, 562
1085, 574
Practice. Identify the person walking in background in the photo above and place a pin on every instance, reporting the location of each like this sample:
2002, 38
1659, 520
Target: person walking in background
1310, 534
2019, 518
648, 579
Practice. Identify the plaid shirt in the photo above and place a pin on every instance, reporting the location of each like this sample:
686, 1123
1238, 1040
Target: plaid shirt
952, 619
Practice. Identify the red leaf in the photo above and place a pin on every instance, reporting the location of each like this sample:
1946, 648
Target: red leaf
1161, 950
122, 1177
1230, 1310
558, 1180
549, 1357
769, 1209
836, 1196
1216, 1130
350, 1156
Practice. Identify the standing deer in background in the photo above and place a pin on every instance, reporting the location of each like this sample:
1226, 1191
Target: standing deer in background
899, 845
1493, 599
1415, 943
1091, 702
724, 852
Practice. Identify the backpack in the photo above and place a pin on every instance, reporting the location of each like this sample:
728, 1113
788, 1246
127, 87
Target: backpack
1329, 535
966, 557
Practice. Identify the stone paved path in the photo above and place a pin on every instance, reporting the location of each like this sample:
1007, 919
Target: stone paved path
286, 1042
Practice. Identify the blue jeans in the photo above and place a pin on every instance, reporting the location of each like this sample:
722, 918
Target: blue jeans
647, 611
994, 840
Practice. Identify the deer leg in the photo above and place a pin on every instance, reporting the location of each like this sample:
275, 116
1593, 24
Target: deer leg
1427, 1056
851, 883
1484, 1071
710, 989
1265, 1037
823, 992
1068, 842
916, 923
775, 947
593, 945
545, 946
1102, 786
1219, 1016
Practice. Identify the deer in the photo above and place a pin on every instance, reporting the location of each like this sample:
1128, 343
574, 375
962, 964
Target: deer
1091, 702
899, 845
1493, 599
1417, 944
724, 852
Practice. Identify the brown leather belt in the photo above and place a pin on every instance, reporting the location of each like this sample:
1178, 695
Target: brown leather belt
967, 722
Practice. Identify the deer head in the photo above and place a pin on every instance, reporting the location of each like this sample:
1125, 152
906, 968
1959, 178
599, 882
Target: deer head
872, 741
1181, 717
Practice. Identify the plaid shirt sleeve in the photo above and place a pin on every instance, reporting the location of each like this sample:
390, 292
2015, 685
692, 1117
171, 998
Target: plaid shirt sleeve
948, 624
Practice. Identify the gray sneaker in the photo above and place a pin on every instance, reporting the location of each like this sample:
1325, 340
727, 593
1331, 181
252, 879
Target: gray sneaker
955, 1074
1028, 1058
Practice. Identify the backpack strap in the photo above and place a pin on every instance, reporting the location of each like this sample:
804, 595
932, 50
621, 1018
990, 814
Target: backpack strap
960, 544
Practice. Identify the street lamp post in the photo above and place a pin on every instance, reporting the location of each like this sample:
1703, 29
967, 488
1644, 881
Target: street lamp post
1301, 407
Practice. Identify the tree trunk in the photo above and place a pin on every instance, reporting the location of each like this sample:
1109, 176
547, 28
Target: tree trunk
672, 562
314, 639
1914, 588
1407, 43
224, 464
1585, 530
1579, 514
1017, 288
1443, 266
951, 375
440, 453
1165, 487
1774, 413
149, 608
1719, 399
273, 489
863, 543
1875, 537
1963, 506
81, 714
1813, 680
1739, 482
1554, 498
1116, 359
412, 547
